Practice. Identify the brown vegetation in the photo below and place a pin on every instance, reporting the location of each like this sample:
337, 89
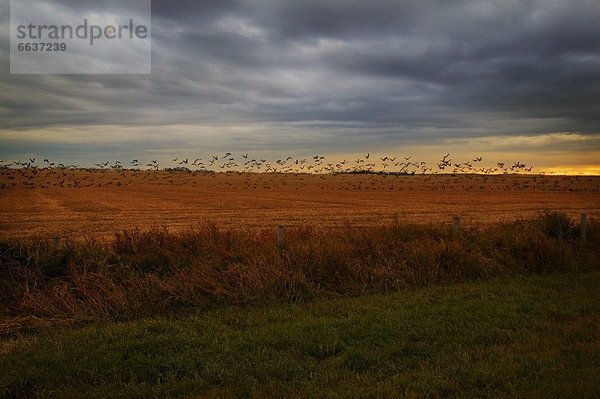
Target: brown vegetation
141, 273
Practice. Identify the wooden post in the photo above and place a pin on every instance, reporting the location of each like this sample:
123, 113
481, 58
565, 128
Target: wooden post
455, 224
583, 226
280, 236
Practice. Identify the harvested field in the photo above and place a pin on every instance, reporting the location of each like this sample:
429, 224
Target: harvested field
77, 203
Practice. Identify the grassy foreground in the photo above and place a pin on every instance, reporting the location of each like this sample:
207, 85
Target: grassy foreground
524, 336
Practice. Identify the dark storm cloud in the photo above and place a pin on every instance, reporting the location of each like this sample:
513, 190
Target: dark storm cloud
392, 69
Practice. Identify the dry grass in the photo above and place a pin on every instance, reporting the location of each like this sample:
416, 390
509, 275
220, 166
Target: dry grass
143, 273
92, 204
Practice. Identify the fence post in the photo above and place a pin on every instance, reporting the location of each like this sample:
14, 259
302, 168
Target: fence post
583, 226
280, 236
455, 224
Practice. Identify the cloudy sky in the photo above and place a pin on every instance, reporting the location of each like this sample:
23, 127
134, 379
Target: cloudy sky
509, 80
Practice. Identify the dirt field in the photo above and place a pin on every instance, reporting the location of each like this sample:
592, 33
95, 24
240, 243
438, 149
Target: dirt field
93, 203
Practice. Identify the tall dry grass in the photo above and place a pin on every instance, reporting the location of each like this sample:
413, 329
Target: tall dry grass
143, 273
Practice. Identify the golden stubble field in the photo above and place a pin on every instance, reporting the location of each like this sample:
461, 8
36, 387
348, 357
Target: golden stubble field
95, 203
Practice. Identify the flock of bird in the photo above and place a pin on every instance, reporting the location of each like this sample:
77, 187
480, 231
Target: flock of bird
381, 172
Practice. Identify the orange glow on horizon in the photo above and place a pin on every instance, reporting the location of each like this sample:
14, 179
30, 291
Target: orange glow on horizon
582, 170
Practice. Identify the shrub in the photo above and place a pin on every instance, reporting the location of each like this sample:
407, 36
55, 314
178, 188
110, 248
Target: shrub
555, 224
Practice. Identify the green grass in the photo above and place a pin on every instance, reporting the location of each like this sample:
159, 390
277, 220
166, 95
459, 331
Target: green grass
524, 336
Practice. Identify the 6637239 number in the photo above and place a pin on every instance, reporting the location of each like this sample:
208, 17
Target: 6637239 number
42, 46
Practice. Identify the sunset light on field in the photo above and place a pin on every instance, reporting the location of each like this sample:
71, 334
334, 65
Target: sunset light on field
300, 198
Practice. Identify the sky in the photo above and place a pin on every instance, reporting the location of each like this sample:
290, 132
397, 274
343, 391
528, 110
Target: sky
509, 80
